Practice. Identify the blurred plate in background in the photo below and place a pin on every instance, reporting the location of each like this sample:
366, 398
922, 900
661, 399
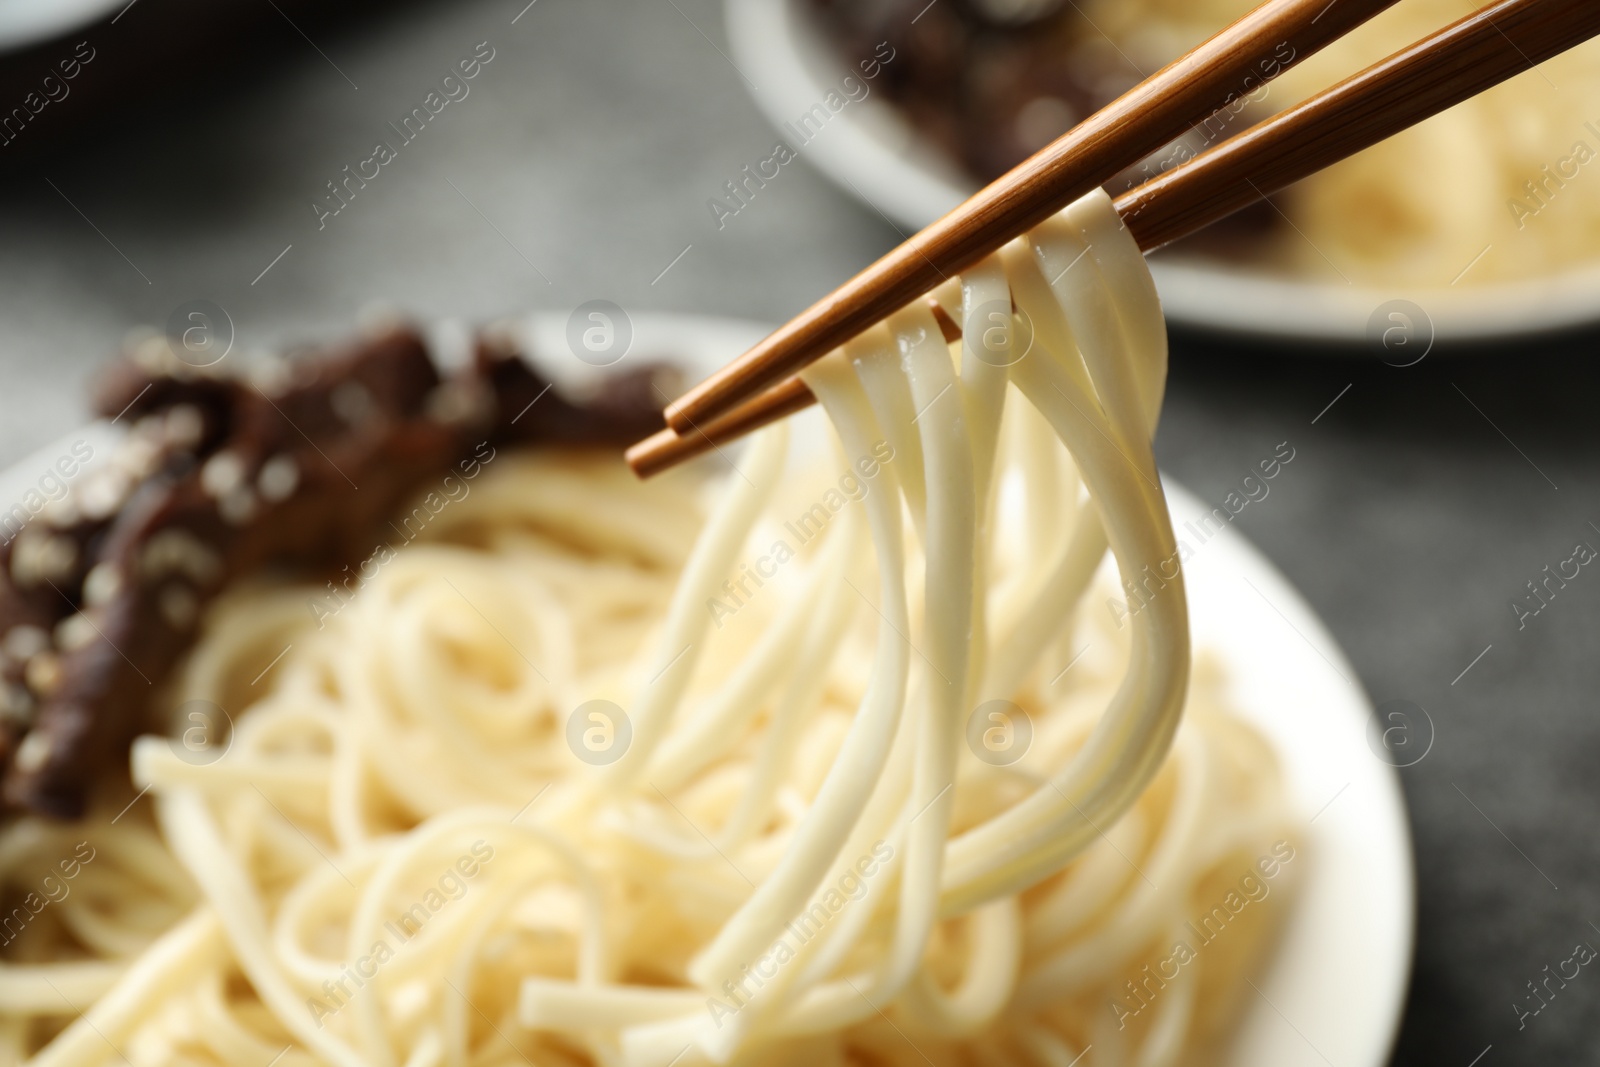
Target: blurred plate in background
30, 22
870, 150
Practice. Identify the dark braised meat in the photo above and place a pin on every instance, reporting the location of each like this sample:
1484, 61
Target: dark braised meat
989, 83
297, 463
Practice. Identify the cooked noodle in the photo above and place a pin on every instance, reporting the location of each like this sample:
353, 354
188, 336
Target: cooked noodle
804, 851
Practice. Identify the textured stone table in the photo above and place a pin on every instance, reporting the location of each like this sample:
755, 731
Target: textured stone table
578, 166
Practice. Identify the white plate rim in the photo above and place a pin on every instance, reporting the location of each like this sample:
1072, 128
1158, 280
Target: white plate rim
29, 22
1335, 985
873, 154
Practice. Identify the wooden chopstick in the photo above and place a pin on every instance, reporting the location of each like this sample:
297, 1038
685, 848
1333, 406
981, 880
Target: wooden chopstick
1149, 116
1477, 52
667, 448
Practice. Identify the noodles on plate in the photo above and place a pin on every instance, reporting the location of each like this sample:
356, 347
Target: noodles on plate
837, 762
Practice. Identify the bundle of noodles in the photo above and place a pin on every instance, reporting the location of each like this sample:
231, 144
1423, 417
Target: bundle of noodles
830, 766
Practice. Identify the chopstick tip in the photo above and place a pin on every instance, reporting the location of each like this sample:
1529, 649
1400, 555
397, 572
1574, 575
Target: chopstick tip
651, 456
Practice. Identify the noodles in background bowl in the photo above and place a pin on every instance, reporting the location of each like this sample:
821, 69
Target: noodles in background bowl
1500, 183
1502, 176
844, 765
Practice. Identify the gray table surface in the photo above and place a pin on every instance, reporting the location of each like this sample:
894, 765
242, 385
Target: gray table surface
578, 168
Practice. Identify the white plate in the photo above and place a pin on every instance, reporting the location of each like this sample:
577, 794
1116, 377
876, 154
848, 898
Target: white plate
28, 22
1335, 990
870, 151
1335, 986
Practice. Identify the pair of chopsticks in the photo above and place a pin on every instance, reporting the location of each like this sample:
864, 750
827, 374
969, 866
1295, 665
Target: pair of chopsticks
1476, 53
